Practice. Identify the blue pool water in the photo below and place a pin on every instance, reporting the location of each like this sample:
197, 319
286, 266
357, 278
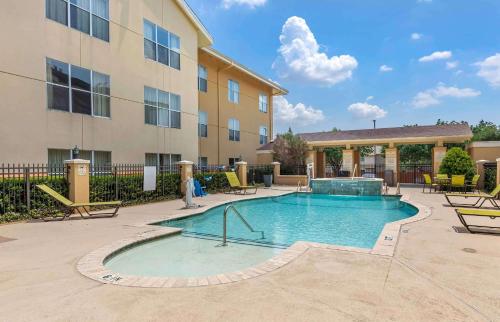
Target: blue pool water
342, 220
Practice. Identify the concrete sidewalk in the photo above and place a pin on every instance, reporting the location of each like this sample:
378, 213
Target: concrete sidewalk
436, 274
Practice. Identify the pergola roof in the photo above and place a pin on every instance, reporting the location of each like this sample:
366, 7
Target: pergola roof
429, 134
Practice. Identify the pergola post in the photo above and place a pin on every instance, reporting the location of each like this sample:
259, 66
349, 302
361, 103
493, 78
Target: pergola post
480, 171
320, 164
438, 153
311, 158
392, 163
350, 158
498, 171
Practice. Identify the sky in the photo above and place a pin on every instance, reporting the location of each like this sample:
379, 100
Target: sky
348, 62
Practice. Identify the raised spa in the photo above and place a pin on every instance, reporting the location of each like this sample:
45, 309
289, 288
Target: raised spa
357, 186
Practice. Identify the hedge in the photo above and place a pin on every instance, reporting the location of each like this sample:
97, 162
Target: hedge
213, 182
490, 179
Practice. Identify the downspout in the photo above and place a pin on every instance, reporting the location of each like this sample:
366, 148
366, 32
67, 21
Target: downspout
218, 109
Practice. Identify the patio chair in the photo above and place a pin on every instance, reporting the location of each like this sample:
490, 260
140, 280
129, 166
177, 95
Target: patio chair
481, 198
428, 183
235, 185
491, 213
472, 185
442, 180
79, 206
457, 181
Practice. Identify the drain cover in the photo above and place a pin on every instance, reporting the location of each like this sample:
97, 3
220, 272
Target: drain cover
469, 250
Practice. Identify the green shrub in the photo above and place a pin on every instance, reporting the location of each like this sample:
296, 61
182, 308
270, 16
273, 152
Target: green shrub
490, 179
458, 162
214, 182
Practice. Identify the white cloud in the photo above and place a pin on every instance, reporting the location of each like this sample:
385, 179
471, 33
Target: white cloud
424, 1
289, 115
451, 64
433, 96
226, 4
437, 55
489, 70
385, 69
416, 36
366, 111
369, 98
300, 57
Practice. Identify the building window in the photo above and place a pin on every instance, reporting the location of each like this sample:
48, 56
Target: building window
75, 89
88, 16
202, 124
232, 162
162, 108
56, 157
234, 130
263, 135
164, 162
234, 91
202, 79
263, 103
202, 162
161, 45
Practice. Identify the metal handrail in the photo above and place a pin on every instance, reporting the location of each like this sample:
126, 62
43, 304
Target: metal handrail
226, 211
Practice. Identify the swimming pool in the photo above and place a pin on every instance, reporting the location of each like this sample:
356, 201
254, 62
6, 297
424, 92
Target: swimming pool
341, 220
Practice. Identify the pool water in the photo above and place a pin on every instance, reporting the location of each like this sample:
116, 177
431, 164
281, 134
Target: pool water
342, 220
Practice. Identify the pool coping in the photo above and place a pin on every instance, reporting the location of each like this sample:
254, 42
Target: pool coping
92, 264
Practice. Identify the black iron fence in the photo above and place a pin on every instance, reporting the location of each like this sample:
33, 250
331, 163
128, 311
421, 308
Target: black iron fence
293, 170
18, 192
212, 176
256, 173
373, 171
414, 173
490, 176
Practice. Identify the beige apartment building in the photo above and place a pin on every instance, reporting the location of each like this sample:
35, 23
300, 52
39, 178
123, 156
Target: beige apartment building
117, 79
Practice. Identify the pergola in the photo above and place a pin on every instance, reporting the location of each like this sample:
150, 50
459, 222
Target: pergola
351, 140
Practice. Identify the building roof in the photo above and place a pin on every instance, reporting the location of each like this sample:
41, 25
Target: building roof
391, 133
266, 147
204, 37
279, 90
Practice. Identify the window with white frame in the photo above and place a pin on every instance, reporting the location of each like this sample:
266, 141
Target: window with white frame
233, 91
56, 157
202, 162
164, 162
263, 103
234, 130
202, 78
263, 135
88, 16
202, 124
162, 108
79, 90
161, 45
232, 162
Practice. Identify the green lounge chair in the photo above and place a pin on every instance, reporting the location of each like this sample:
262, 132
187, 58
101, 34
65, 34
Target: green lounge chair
491, 213
79, 206
473, 184
481, 198
428, 183
457, 181
235, 185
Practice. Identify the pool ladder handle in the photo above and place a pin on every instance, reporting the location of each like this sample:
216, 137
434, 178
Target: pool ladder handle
235, 211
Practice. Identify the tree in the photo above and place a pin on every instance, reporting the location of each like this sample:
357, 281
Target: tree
457, 161
485, 131
290, 150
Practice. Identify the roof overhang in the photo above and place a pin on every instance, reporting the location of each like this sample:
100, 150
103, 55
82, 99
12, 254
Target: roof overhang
204, 37
277, 89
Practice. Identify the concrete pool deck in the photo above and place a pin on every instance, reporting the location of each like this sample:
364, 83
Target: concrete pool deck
436, 273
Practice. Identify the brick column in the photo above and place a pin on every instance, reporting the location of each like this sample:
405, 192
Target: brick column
311, 158
78, 180
276, 171
350, 158
438, 153
186, 170
480, 171
392, 163
241, 172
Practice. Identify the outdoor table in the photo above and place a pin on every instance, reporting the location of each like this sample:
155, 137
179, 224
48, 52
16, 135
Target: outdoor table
442, 182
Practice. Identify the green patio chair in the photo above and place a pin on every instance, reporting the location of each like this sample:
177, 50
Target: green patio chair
428, 183
472, 185
71, 206
481, 198
488, 213
457, 181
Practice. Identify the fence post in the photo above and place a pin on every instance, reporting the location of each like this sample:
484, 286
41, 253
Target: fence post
78, 180
186, 170
276, 171
242, 172
498, 171
117, 188
27, 187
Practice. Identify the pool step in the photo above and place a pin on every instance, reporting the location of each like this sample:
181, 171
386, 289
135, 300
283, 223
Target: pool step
251, 242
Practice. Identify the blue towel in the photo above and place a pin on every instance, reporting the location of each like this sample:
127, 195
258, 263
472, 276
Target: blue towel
198, 189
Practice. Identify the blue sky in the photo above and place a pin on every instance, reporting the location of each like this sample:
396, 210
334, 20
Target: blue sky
346, 62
